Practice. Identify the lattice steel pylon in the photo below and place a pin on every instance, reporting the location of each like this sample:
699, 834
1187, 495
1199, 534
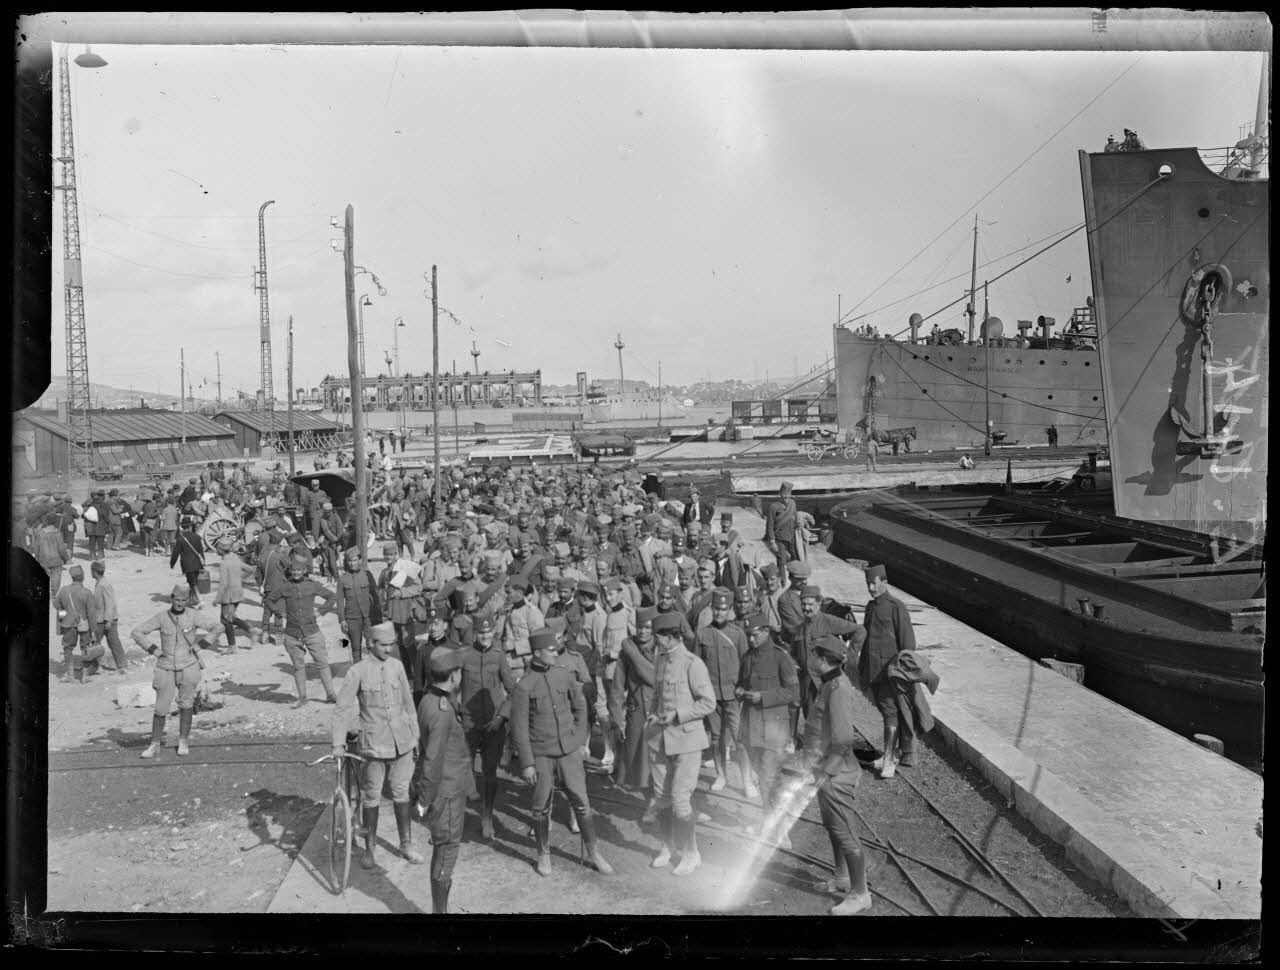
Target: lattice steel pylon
79, 421
264, 323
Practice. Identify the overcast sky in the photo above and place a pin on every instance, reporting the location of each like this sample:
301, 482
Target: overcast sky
710, 206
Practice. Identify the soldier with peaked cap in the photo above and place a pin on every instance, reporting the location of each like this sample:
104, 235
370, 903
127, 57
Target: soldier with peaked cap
683, 697
183, 633
767, 688
817, 624
721, 645
75, 620
377, 690
444, 774
358, 604
232, 572
780, 526
487, 682
888, 632
296, 599
829, 737
549, 727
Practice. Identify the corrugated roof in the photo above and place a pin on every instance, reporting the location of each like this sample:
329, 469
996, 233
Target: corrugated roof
302, 420
136, 425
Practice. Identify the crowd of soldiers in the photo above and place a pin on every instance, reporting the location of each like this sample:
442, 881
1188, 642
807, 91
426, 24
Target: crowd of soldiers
530, 613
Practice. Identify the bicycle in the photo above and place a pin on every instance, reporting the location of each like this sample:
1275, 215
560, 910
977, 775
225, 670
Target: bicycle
346, 809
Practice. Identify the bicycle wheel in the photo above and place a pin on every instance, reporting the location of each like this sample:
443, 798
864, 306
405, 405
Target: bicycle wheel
341, 842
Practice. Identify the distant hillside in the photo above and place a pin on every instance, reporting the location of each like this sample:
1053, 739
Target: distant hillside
106, 396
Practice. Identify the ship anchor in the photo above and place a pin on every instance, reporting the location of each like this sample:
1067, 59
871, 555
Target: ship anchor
1206, 444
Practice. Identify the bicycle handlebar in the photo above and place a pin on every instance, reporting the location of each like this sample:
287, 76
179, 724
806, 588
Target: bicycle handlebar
332, 757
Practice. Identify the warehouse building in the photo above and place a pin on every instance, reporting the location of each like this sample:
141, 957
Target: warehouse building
136, 437
258, 430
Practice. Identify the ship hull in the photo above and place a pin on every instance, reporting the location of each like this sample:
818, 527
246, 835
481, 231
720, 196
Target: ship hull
1153, 242
1200, 676
941, 391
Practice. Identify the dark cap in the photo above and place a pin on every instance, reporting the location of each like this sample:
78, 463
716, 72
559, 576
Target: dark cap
876, 572
542, 639
811, 592
667, 623
646, 615
800, 569
667, 589
756, 621
721, 598
590, 588
832, 646
726, 516
613, 584
484, 625
444, 661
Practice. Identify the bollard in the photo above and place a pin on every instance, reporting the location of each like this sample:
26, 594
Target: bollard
1083, 603
1097, 610
1208, 741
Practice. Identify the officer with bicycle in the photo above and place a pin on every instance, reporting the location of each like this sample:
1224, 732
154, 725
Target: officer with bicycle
378, 688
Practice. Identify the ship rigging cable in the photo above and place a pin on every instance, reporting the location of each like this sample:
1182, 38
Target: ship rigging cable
1006, 178
999, 276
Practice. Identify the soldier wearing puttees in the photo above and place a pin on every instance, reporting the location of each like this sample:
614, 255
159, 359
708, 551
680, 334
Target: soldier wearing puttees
683, 696
444, 774
889, 632
721, 645
817, 624
296, 599
829, 737
780, 526
178, 665
767, 687
487, 682
387, 734
549, 726
359, 606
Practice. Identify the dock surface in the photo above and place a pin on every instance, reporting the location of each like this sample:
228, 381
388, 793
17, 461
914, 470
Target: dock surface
1173, 828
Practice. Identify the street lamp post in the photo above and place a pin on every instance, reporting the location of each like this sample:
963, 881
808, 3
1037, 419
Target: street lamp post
364, 302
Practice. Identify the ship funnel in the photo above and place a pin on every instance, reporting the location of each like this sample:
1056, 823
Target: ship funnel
915, 321
992, 327
1045, 324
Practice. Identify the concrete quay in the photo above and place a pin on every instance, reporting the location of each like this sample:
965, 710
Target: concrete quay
1173, 828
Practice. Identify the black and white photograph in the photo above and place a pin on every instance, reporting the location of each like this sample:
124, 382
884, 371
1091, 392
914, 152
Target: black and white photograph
701, 474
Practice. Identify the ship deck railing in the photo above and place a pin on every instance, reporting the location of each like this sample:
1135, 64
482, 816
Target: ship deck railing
1239, 163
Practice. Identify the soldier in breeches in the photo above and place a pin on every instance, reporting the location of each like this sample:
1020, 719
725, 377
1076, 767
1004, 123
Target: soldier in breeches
444, 776
549, 725
767, 686
829, 737
179, 664
388, 734
359, 606
889, 632
683, 696
487, 682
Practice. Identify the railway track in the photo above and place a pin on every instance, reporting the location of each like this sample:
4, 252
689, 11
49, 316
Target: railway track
934, 869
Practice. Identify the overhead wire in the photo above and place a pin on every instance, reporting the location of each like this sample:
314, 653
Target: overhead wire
1006, 178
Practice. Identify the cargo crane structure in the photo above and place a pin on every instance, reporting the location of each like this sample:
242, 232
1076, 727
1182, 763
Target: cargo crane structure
268, 400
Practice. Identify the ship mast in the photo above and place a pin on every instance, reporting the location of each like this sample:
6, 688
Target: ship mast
1261, 132
986, 353
973, 280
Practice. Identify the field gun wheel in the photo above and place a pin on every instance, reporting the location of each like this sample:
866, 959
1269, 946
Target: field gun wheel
814, 451
215, 530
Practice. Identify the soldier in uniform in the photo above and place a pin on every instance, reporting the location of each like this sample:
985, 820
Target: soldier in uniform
889, 632
683, 696
829, 737
631, 700
721, 645
487, 682
75, 616
780, 526
444, 774
767, 686
378, 690
817, 624
296, 599
179, 664
330, 538
359, 606
549, 724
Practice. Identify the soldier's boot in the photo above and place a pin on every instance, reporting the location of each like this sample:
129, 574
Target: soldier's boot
886, 761
666, 824
839, 882
859, 898
440, 895
686, 837
591, 847
650, 809
542, 832
184, 730
369, 860
489, 795
300, 681
157, 735
326, 679
404, 825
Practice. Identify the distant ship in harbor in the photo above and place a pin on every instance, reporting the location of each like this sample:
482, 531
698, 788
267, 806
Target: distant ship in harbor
946, 385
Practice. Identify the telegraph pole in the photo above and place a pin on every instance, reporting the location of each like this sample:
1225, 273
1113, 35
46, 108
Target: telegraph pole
622, 384
986, 352
973, 280
218, 357
182, 390
264, 326
290, 369
435, 383
357, 404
